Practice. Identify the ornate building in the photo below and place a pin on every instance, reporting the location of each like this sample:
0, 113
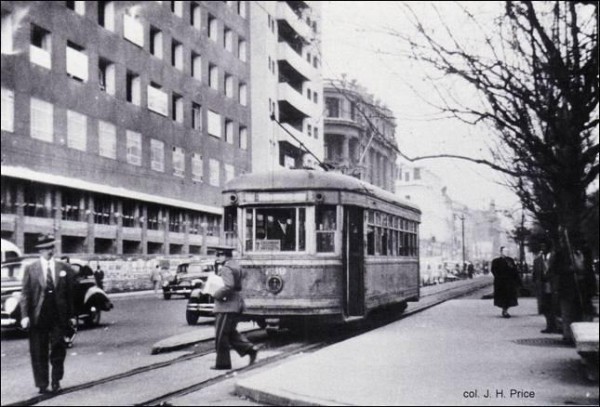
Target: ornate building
360, 134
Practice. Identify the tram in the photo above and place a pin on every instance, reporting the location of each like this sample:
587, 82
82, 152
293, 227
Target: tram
321, 245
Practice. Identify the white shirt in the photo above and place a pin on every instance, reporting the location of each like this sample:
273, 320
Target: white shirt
48, 263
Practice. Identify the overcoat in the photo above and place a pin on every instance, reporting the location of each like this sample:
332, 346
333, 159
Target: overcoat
506, 282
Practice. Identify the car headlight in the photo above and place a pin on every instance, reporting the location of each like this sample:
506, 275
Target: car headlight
11, 304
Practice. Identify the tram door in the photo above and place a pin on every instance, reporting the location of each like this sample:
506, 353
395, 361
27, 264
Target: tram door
354, 297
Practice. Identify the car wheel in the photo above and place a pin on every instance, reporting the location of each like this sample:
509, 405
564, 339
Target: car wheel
167, 296
93, 319
191, 317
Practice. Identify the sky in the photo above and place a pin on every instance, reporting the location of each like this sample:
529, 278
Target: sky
354, 44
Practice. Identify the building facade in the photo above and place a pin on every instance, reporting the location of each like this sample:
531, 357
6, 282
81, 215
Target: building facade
287, 96
446, 221
121, 122
360, 134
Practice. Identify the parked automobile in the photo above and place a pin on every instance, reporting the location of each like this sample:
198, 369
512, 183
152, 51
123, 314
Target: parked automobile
10, 251
89, 299
188, 276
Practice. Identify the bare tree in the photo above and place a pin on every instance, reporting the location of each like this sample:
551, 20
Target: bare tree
537, 81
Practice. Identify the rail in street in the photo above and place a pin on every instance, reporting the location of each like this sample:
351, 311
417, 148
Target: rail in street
190, 373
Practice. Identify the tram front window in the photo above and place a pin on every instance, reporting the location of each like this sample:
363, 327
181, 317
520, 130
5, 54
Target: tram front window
279, 229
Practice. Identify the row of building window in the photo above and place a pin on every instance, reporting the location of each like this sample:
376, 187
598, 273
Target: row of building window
40, 201
77, 68
42, 128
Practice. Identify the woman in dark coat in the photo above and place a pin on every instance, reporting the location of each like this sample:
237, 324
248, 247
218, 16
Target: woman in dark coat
506, 282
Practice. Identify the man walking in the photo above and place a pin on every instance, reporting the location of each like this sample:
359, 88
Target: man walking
47, 307
506, 282
229, 304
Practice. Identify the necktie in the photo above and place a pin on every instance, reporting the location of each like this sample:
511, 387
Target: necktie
49, 280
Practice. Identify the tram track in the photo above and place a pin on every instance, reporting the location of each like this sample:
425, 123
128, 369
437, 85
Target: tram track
288, 348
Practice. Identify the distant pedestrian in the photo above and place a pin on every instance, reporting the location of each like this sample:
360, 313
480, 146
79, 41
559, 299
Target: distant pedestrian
470, 270
99, 277
156, 278
506, 282
47, 308
229, 304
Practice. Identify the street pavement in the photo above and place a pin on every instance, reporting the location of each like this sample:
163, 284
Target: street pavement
458, 353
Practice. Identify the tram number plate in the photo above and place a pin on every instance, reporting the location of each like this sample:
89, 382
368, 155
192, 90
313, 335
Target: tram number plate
276, 271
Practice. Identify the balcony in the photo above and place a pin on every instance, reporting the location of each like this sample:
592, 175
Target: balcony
291, 20
292, 104
292, 64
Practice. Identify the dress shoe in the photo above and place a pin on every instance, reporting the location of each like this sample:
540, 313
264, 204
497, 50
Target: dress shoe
56, 388
505, 315
43, 390
219, 368
253, 353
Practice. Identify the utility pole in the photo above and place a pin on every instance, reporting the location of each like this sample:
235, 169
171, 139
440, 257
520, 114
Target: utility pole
462, 222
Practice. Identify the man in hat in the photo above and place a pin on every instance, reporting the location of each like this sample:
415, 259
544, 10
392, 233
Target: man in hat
47, 307
229, 304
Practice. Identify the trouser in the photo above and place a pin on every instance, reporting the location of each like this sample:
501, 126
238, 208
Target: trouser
46, 341
227, 337
550, 309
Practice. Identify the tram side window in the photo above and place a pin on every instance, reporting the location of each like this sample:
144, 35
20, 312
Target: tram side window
325, 227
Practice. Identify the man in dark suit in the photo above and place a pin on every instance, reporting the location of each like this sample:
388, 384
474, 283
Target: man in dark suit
229, 304
46, 309
506, 282
545, 289
284, 231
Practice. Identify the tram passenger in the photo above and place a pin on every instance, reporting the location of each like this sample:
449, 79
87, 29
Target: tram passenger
229, 304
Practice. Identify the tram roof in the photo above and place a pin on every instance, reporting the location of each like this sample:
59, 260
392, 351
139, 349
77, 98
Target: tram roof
293, 180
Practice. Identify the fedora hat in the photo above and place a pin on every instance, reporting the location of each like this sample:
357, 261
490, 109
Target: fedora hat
45, 242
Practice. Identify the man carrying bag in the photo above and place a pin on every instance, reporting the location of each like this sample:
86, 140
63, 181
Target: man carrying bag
229, 304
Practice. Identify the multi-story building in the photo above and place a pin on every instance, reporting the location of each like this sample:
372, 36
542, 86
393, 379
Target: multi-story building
360, 134
287, 96
121, 122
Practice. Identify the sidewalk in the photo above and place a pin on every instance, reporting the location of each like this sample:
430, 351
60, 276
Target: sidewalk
458, 353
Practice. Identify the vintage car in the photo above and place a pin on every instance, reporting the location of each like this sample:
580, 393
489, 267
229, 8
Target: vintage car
188, 276
89, 299
199, 305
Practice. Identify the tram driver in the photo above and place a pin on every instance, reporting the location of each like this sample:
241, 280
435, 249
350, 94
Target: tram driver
284, 231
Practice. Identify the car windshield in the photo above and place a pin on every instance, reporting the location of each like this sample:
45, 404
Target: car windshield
200, 267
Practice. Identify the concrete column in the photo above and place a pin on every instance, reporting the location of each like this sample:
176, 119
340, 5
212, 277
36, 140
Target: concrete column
58, 220
19, 234
119, 222
186, 233
166, 240
91, 232
345, 150
204, 226
144, 225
